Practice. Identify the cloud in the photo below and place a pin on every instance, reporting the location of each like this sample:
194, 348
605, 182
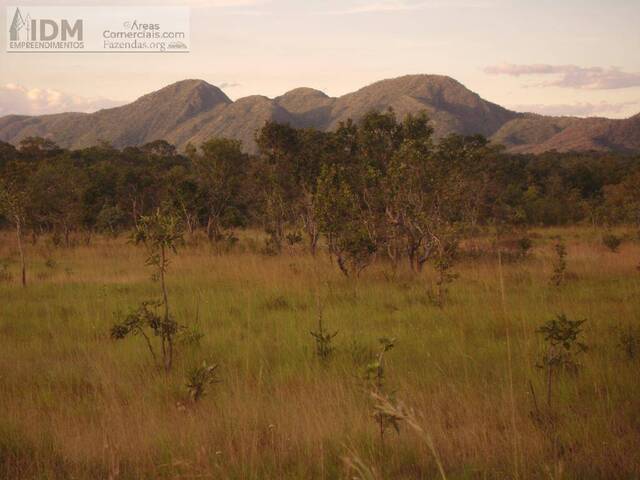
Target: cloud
17, 99
224, 85
388, 6
582, 109
571, 76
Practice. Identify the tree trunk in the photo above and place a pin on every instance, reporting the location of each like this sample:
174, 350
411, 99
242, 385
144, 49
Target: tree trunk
167, 341
213, 229
343, 265
188, 218
549, 383
313, 240
21, 249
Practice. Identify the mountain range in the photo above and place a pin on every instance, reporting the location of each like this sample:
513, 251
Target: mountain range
192, 111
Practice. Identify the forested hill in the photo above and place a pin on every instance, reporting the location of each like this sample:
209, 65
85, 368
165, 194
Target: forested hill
192, 111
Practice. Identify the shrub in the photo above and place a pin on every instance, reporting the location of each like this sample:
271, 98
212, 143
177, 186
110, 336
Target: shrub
524, 246
612, 242
629, 343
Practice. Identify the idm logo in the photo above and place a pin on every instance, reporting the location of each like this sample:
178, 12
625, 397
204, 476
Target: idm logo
23, 27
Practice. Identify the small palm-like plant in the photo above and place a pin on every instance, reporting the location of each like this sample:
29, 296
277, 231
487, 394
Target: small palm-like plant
199, 378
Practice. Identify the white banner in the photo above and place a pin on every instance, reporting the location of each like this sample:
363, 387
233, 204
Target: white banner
108, 29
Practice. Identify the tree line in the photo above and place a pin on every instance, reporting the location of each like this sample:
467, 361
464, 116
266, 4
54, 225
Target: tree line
382, 186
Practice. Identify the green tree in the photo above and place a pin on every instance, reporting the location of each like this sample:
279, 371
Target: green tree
342, 219
622, 200
279, 147
15, 205
58, 187
408, 197
221, 170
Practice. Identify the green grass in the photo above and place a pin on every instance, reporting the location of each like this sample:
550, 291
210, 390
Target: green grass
76, 404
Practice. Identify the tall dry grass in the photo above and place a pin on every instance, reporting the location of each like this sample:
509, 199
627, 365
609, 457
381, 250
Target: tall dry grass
75, 404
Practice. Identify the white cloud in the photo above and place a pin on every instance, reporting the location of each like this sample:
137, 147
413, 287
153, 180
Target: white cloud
582, 109
17, 99
571, 76
387, 6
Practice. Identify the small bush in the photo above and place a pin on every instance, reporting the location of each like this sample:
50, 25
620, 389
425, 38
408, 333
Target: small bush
629, 343
612, 242
294, 238
524, 246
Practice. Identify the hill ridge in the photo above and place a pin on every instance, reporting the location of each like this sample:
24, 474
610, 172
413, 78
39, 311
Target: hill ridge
192, 110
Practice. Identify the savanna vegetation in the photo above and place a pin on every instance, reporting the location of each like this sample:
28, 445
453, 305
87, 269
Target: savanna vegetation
366, 303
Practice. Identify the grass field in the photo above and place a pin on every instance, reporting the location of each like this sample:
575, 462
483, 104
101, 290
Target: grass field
75, 404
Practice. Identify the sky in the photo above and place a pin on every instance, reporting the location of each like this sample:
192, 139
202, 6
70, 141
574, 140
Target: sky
556, 57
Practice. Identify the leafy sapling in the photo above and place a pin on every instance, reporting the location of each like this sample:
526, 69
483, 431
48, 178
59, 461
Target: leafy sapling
563, 346
375, 370
161, 233
323, 338
446, 255
375, 374
558, 277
